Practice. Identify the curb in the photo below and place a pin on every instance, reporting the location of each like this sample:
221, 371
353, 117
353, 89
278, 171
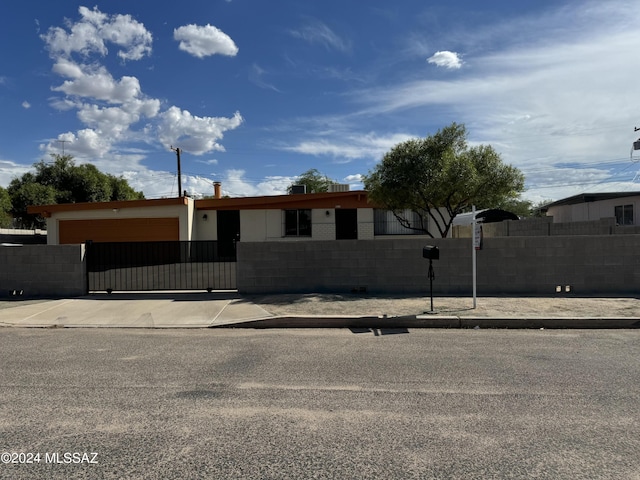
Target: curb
431, 321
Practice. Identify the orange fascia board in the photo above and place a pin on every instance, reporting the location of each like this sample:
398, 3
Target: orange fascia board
47, 210
354, 199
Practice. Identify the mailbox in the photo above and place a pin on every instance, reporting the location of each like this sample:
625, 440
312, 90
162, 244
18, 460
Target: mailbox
430, 252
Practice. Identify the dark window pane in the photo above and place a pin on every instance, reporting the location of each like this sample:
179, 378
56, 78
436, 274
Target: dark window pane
628, 214
624, 214
304, 223
291, 222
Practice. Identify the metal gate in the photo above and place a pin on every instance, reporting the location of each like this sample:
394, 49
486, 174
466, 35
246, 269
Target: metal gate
131, 266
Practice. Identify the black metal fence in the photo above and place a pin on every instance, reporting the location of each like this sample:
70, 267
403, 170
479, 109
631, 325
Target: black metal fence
131, 266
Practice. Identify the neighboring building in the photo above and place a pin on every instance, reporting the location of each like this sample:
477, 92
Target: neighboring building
316, 216
623, 206
13, 236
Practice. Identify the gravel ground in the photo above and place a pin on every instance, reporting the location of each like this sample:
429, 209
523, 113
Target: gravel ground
331, 304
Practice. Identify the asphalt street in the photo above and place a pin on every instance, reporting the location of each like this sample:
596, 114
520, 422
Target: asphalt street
320, 403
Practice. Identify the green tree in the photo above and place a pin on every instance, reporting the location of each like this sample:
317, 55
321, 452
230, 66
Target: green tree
440, 176
519, 206
62, 181
6, 220
121, 190
26, 191
315, 181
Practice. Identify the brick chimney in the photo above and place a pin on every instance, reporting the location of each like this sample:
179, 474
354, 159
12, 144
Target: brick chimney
217, 190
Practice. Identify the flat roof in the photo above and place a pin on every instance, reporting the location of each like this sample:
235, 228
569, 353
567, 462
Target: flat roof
590, 197
351, 199
47, 210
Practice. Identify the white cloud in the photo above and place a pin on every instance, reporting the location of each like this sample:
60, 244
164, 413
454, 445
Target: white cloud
203, 41
194, 134
348, 147
10, 170
235, 185
97, 83
109, 108
26, 105
256, 76
114, 121
86, 143
94, 30
67, 68
357, 178
317, 32
446, 59
213, 161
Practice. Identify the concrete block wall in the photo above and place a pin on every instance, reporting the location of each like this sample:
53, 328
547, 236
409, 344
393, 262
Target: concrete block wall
544, 226
589, 265
43, 270
365, 224
604, 226
379, 266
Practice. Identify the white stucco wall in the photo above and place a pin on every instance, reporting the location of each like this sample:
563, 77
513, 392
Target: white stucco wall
268, 225
593, 210
206, 228
253, 225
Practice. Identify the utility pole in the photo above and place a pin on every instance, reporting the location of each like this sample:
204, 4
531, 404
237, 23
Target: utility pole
177, 150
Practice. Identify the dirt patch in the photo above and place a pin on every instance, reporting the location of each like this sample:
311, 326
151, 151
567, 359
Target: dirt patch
332, 304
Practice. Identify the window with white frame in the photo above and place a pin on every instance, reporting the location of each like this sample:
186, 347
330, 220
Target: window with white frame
297, 223
624, 214
386, 223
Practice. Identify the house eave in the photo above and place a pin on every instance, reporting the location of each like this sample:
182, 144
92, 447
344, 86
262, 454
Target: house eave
47, 210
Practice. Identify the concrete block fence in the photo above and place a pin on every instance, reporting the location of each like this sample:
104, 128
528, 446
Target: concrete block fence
590, 265
537, 265
43, 270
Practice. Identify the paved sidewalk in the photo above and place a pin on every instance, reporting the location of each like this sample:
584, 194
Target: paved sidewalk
140, 310
229, 309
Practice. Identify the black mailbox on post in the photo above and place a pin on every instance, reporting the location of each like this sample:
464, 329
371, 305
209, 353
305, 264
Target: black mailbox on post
430, 252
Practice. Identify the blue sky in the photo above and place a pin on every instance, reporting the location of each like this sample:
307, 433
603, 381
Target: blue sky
257, 92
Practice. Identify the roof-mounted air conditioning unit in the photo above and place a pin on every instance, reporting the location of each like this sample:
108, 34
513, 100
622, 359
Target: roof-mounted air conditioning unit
339, 187
298, 189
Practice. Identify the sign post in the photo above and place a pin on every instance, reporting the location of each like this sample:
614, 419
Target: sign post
431, 253
475, 245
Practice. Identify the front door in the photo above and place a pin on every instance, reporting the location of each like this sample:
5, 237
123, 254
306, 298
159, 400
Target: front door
228, 232
346, 223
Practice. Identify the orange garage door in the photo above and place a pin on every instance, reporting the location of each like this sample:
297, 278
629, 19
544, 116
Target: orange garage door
119, 230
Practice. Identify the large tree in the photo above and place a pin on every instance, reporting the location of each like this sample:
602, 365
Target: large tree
6, 220
315, 181
62, 181
440, 176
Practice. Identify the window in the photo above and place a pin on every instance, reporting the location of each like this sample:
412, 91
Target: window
624, 214
297, 223
385, 223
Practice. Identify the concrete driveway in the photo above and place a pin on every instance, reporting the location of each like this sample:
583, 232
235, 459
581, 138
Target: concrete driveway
139, 310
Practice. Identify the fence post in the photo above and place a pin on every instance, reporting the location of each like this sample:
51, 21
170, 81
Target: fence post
87, 259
